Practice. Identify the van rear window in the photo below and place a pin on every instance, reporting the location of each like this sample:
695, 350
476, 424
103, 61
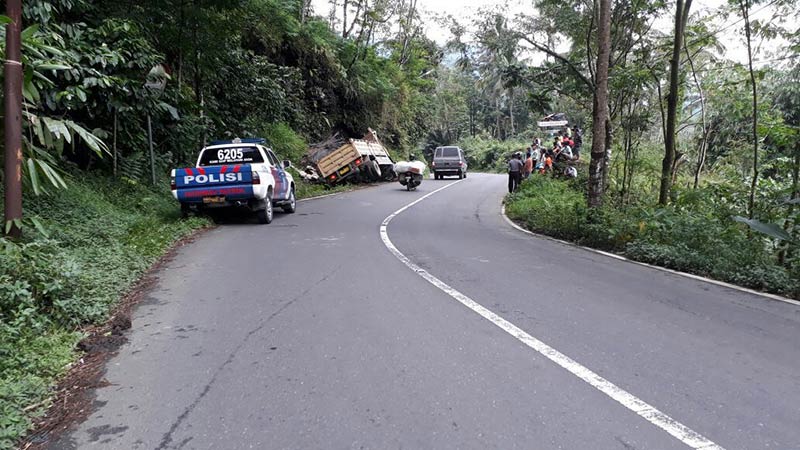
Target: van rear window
230, 155
447, 152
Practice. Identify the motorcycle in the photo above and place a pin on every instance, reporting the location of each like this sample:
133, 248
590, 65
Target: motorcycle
411, 180
410, 173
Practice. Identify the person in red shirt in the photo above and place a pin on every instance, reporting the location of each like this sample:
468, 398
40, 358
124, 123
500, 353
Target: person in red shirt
528, 167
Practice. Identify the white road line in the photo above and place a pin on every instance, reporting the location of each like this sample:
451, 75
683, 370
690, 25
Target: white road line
681, 432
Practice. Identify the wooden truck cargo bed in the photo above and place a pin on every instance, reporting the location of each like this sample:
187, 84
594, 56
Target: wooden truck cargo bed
337, 159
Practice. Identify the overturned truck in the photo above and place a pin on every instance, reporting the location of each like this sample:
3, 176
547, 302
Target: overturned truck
337, 159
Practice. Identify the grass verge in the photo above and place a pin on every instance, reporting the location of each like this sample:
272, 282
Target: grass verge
692, 235
103, 235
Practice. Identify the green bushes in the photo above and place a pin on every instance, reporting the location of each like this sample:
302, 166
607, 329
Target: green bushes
694, 234
549, 207
102, 236
490, 155
285, 142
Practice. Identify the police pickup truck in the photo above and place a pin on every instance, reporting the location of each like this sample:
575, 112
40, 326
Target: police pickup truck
237, 173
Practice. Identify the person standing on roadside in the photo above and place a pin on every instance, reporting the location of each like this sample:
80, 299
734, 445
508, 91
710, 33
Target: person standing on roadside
538, 158
528, 166
515, 167
576, 149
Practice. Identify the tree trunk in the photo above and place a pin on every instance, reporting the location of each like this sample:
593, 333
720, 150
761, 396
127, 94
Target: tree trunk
150, 146
114, 143
332, 14
471, 117
12, 105
180, 52
701, 156
446, 121
198, 80
344, 19
497, 116
681, 16
600, 106
511, 110
627, 137
607, 153
745, 7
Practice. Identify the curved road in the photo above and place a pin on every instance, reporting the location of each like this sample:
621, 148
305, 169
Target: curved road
310, 334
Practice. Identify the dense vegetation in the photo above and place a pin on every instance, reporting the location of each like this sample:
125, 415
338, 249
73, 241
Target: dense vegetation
96, 72
720, 199
695, 233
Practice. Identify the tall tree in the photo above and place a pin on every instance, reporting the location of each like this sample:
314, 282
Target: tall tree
744, 7
681, 16
600, 118
12, 94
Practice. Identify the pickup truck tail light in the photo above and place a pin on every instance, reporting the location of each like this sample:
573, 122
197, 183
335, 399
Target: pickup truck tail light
461, 163
433, 163
256, 178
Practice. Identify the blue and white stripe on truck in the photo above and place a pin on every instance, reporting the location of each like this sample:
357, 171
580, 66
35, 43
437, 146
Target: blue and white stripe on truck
234, 182
281, 183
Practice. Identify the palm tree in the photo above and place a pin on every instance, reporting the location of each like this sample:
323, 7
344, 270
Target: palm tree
496, 59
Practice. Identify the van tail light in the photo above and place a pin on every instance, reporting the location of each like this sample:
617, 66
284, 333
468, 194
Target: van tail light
256, 178
173, 185
358, 162
461, 163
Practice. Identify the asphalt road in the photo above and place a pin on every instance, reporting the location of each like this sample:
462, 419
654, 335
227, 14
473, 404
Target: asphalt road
310, 334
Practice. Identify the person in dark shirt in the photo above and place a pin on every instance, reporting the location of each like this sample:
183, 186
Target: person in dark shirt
576, 149
515, 168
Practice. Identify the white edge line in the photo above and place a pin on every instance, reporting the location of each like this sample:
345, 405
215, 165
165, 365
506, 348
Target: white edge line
663, 269
317, 197
679, 431
300, 200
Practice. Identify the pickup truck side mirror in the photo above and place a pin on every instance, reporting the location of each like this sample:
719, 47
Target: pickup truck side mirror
287, 164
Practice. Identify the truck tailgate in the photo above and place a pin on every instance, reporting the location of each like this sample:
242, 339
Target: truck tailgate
226, 182
340, 157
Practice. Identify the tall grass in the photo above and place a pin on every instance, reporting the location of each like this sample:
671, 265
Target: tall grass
103, 235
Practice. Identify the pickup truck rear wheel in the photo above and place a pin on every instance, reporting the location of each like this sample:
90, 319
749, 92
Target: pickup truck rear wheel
291, 205
265, 215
